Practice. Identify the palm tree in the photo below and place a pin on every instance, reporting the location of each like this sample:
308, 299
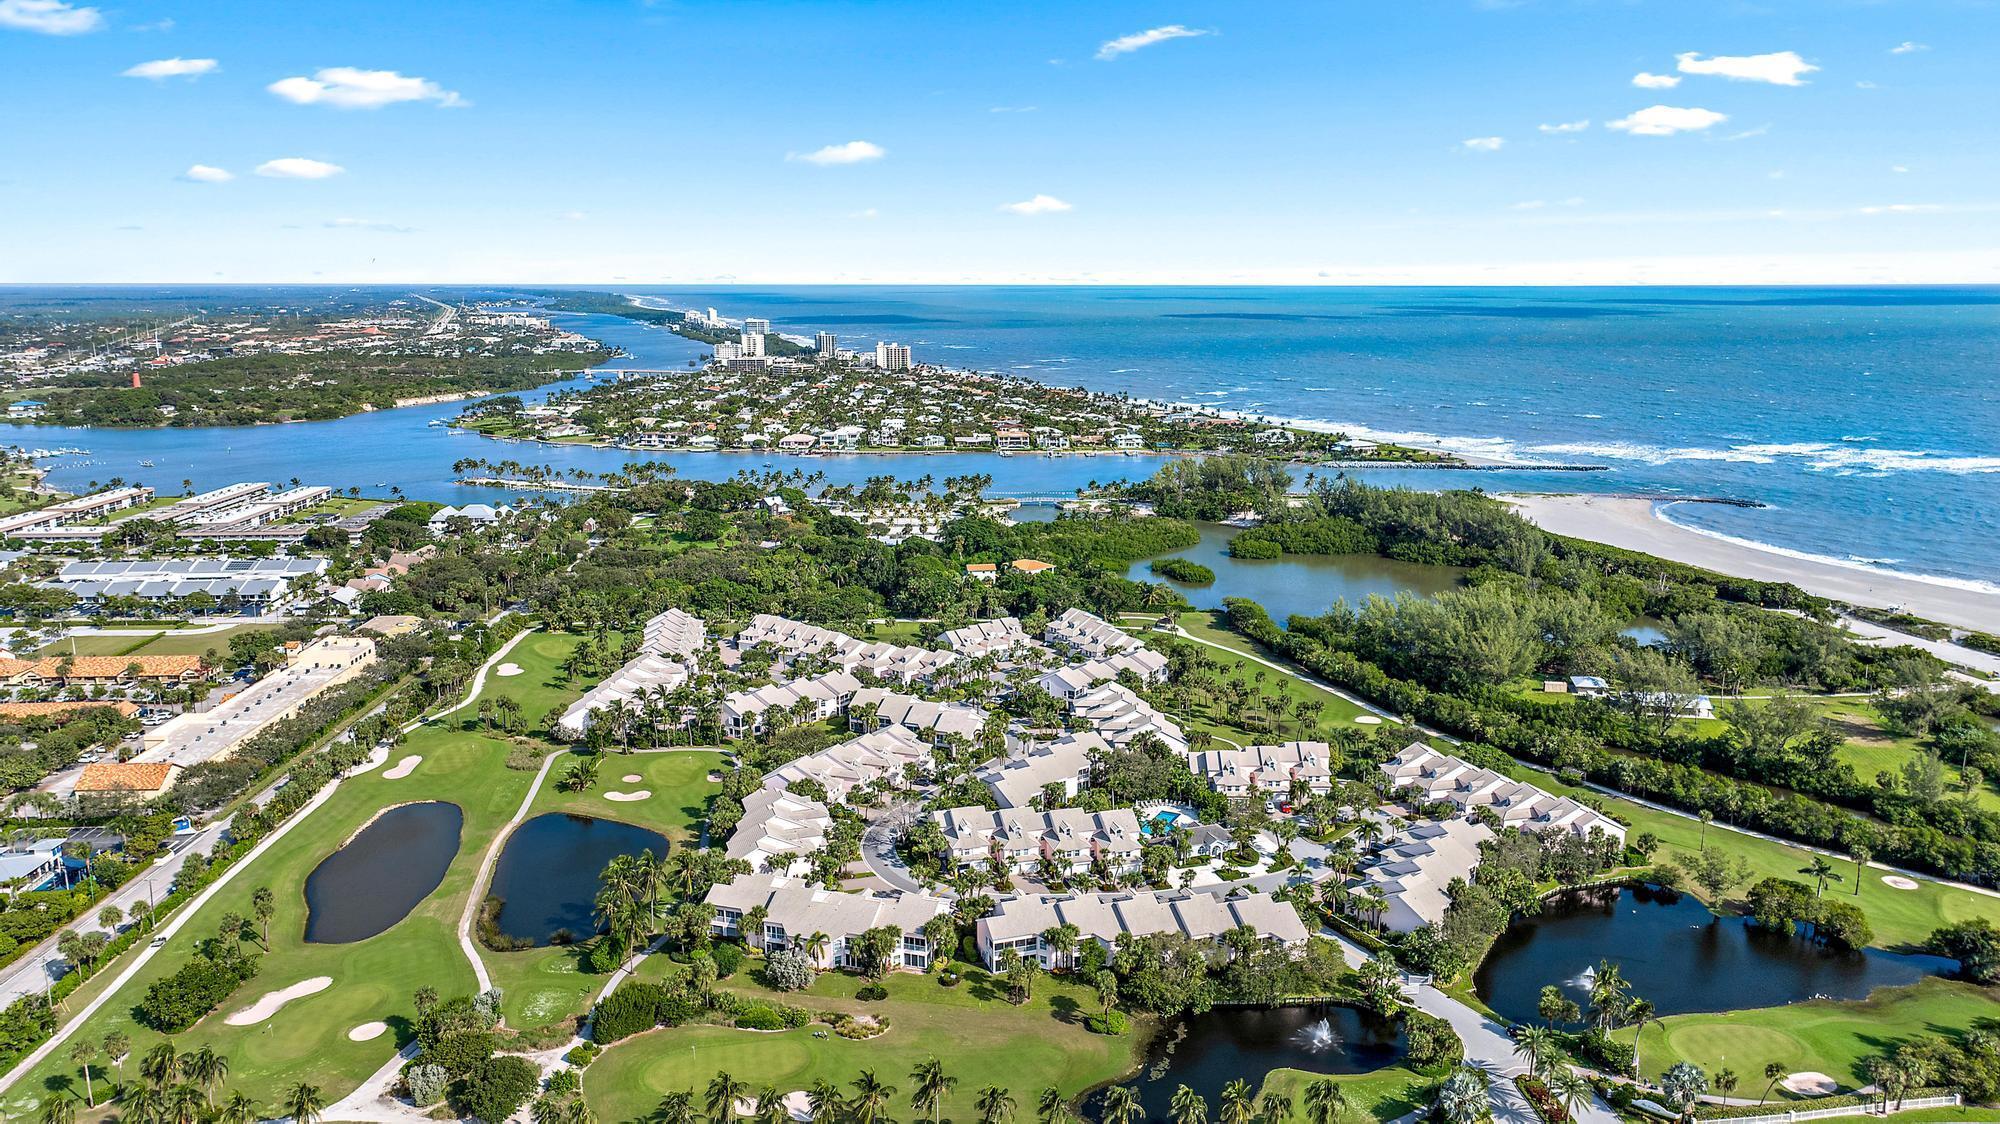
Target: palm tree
1537, 1045
1275, 1108
1774, 1072
161, 1066
676, 1108
1239, 1104
932, 1084
1821, 872
871, 1096
1608, 1002
1464, 1098
994, 1105
117, 1045
1121, 1106
771, 1107
207, 1069
1639, 1012
58, 1109
824, 1102
723, 1093
1187, 1107
83, 1053
238, 1109
1683, 1084
1572, 1089
1326, 1102
265, 906
304, 1103
1053, 1108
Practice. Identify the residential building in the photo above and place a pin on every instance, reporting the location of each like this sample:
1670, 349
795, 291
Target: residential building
1413, 872
1010, 439
1088, 634
1266, 769
986, 637
1070, 840
778, 830
100, 671
936, 721
826, 345
825, 924
1030, 566
1440, 776
1020, 779
1017, 924
892, 356
748, 713
479, 514
889, 754
235, 584
1119, 716
1067, 683
143, 780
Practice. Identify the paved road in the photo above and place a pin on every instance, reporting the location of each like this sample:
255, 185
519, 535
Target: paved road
1957, 655
878, 851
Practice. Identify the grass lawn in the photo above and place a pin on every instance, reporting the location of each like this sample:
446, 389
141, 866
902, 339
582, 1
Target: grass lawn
981, 1039
1872, 749
1384, 1094
1829, 1037
373, 979
170, 642
546, 984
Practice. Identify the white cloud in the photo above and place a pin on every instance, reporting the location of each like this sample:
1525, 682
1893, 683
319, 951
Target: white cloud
171, 68
866, 213
1126, 44
1864, 84
1483, 144
1039, 205
1779, 68
573, 216
365, 224
1666, 120
1903, 209
1906, 47
1646, 81
1566, 126
207, 173
853, 152
1899, 169
1530, 205
346, 87
298, 168
50, 17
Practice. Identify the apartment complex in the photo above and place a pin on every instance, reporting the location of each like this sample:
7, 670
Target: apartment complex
1017, 924
1522, 806
1070, 840
824, 924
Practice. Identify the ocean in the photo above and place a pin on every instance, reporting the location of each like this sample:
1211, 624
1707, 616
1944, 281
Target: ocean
1867, 420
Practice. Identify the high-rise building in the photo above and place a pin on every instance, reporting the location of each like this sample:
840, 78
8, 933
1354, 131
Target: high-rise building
892, 356
753, 340
825, 344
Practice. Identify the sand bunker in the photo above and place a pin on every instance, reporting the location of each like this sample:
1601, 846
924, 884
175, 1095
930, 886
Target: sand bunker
632, 778
266, 1007
628, 797
403, 768
1898, 882
1810, 1083
507, 670
1368, 719
799, 1104
367, 1031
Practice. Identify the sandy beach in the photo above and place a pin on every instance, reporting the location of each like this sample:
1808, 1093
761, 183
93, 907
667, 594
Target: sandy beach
1634, 525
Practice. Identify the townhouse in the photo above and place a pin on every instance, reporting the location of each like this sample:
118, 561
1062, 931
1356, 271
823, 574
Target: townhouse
903, 663
891, 752
1088, 634
1522, 806
1266, 769
668, 646
1071, 840
1119, 716
878, 708
993, 637
747, 713
826, 925
1413, 872
1066, 683
778, 830
1019, 779
1017, 924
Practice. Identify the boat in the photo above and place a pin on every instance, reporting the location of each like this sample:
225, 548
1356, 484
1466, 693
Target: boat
145, 464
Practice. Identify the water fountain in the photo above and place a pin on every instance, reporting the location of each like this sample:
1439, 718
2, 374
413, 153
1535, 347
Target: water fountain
1317, 1038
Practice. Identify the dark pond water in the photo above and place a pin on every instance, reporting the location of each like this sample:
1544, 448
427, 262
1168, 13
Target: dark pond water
1680, 956
1231, 1042
380, 876
547, 873
1647, 632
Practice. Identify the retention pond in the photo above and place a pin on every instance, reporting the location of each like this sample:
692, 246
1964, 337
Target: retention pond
547, 873
1207, 1051
382, 873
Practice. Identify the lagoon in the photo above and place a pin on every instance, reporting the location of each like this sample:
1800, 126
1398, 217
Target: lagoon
547, 873
1677, 954
1305, 584
1207, 1051
380, 875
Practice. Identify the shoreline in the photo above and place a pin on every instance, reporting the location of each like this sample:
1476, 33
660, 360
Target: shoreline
1642, 525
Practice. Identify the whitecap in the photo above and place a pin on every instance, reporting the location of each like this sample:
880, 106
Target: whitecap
1972, 584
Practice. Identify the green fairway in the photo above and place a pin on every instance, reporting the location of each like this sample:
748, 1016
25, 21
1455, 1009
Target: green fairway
1383, 1094
546, 984
980, 1038
373, 979
1824, 1036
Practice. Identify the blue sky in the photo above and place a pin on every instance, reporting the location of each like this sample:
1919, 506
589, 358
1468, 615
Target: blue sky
1456, 141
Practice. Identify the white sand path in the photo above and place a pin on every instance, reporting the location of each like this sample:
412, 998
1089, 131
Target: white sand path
403, 768
273, 1000
628, 797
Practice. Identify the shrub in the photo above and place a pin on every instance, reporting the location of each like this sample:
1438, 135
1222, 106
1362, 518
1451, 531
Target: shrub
487, 1006
760, 1018
426, 1084
627, 1011
1605, 1052
563, 1082
1253, 548
459, 1051
1115, 1023
580, 1055
1433, 1045
788, 971
728, 958
872, 992
1545, 1103
496, 1088
179, 1001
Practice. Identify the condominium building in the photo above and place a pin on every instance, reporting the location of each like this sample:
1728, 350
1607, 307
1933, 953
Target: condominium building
826, 345
935, 721
1068, 682
1020, 778
824, 924
1017, 924
1120, 716
892, 356
748, 713
1070, 840
1413, 872
1440, 776
1088, 634
1266, 769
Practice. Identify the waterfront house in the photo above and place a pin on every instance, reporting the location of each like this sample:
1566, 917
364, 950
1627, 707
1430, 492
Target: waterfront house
1413, 872
1017, 924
